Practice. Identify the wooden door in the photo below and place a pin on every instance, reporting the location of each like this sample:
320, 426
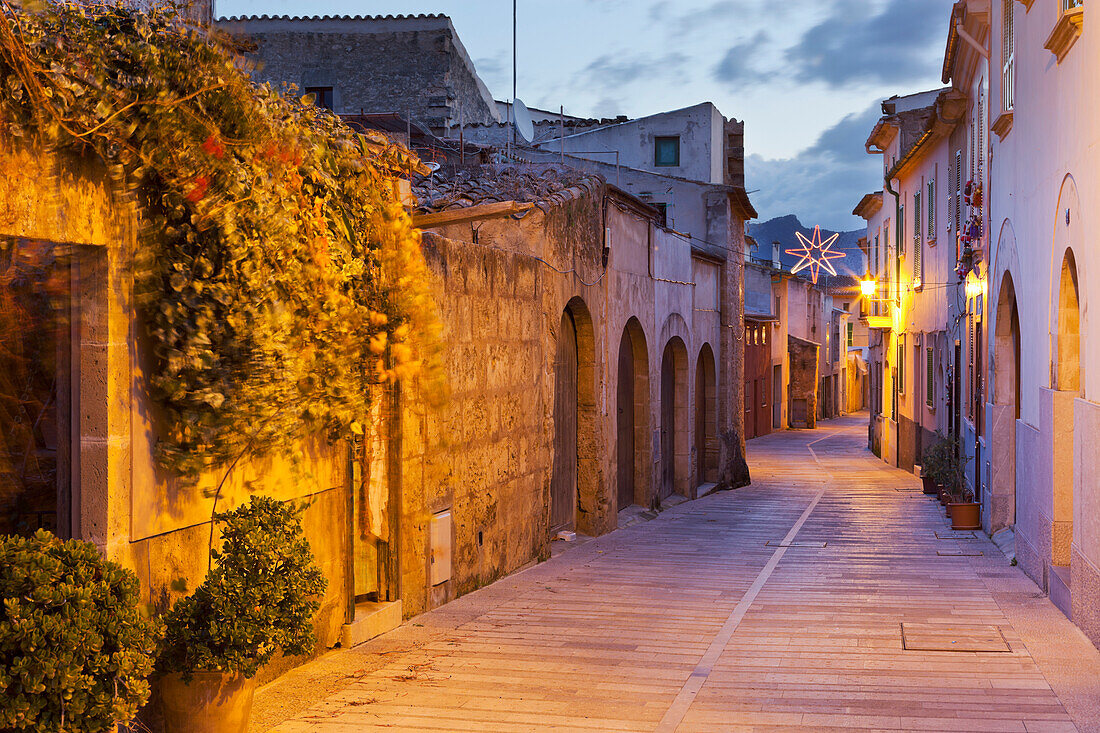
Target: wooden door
668, 432
563, 481
625, 426
750, 414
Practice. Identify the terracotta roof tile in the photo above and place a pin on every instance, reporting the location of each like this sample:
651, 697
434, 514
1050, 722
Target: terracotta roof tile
545, 186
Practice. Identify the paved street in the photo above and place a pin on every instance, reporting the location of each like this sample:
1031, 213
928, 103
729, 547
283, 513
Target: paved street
829, 595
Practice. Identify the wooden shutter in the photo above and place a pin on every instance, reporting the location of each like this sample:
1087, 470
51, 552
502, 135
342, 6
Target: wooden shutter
917, 240
930, 204
929, 376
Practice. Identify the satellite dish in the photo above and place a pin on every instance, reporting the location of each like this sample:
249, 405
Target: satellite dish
522, 120
432, 166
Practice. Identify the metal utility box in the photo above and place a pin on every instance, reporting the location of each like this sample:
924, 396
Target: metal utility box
440, 570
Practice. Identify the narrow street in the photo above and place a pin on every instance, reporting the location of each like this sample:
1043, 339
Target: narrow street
829, 595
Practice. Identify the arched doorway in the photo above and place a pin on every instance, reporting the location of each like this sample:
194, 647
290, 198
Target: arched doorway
675, 446
632, 417
575, 484
1007, 395
706, 419
563, 479
1068, 384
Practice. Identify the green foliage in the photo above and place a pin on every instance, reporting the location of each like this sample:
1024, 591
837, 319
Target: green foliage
277, 270
941, 463
74, 650
259, 598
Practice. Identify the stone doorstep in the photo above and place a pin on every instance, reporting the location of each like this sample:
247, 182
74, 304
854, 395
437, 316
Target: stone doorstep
371, 620
1060, 585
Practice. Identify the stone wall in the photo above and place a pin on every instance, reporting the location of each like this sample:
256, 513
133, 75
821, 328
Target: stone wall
370, 62
804, 359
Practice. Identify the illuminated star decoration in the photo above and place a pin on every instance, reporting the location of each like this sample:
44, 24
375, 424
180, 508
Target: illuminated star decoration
815, 254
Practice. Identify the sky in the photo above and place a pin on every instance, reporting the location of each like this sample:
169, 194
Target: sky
806, 76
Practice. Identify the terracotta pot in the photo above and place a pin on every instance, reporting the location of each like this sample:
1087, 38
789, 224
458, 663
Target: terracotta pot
965, 515
945, 498
212, 702
929, 486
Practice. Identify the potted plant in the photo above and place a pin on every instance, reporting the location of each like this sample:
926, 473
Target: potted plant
939, 466
75, 648
257, 600
964, 511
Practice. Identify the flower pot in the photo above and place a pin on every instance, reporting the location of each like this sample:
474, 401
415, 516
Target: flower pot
945, 498
965, 515
930, 487
212, 702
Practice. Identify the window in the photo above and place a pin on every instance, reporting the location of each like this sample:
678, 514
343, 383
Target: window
901, 231
970, 367
1008, 56
930, 204
916, 379
917, 242
666, 151
778, 303
929, 381
901, 365
662, 211
981, 133
958, 198
851, 334
322, 96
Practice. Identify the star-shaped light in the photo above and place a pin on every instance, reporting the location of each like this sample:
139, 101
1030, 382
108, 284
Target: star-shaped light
815, 254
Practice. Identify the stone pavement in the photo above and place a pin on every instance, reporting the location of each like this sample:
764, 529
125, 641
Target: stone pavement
829, 595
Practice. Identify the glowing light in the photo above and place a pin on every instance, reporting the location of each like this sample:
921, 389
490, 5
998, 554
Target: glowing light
975, 286
868, 286
815, 254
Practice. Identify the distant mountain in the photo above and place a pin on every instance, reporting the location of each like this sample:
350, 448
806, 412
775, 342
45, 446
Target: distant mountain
783, 228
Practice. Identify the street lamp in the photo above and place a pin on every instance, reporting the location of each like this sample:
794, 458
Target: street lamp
868, 285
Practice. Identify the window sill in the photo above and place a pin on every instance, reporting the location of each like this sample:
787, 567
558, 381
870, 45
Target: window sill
1066, 32
1003, 124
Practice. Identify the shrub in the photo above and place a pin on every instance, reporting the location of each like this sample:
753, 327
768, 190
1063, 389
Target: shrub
940, 463
259, 598
75, 651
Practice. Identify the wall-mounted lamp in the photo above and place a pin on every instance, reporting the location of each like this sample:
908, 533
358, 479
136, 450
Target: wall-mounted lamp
868, 286
975, 286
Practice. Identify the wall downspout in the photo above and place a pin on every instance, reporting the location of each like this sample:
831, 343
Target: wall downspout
886, 185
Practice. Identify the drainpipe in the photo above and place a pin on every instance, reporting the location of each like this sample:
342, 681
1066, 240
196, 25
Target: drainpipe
888, 187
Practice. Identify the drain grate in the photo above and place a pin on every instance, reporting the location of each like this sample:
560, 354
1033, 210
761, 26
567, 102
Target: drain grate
955, 536
781, 543
959, 553
952, 638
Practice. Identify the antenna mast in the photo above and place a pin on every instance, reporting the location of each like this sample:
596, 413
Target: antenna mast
514, 47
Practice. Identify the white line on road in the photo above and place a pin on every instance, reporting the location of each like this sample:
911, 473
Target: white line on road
676, 712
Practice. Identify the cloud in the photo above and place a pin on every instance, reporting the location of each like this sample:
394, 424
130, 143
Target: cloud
824, 182
738, 67
614, 70
897, 44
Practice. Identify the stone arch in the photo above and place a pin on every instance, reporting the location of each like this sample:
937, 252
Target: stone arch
1007, 397
675, 430
632, 453
575, 492
1068, 367
706, 418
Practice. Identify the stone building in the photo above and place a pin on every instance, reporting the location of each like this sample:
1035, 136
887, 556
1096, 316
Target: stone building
1010, 334
412, 65
913, 264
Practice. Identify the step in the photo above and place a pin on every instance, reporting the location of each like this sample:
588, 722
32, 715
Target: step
371, 620
1059, 580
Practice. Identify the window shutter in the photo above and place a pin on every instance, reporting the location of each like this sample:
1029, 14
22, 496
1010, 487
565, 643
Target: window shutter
916, 236
970, 367
981, 132
929, 376
931, 205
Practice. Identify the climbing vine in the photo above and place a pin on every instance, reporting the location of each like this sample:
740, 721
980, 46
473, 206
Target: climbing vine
277, 271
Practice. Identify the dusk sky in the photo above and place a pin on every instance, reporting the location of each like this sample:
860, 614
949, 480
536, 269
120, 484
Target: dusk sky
805, 75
